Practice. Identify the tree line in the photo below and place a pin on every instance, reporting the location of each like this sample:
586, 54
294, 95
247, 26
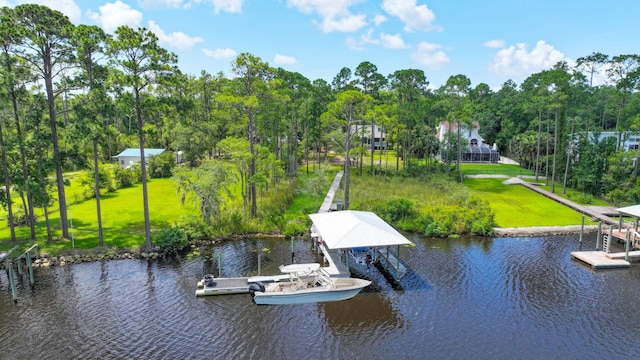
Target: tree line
75, 96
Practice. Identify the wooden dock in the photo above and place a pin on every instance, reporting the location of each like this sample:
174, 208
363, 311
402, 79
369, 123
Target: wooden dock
621, 236
327, 204
633, 255
594, 212
600, 259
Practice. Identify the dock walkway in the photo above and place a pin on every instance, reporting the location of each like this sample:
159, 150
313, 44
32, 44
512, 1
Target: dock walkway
594, 212
328, 200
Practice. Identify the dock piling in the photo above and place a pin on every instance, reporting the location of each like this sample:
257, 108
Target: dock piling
19, 263
32, 280
599, 236
626, 246
12, 282
582, 229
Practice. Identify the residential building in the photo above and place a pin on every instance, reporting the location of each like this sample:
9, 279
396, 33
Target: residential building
379, 136
131, 156
475, 150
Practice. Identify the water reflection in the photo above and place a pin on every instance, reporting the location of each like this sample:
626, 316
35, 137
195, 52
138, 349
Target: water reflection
364, 314
464, 298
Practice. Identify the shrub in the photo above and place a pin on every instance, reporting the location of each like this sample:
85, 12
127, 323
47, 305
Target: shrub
88, 183
161, 166
194, 228
171, 238
127, 177
397, 209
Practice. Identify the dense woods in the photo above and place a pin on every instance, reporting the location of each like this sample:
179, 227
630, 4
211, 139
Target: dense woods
73, 97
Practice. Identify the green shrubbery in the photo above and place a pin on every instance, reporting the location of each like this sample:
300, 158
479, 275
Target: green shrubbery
161, 166
171, 238
434, 206
127, 177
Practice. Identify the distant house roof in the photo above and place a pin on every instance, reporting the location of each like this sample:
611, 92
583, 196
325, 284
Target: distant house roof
136, 152
454, 126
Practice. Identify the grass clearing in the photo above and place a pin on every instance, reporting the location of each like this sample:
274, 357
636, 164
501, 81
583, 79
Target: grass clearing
122, 218
517, 206
495, 169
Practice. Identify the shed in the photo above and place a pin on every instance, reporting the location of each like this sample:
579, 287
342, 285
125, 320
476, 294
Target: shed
131, 156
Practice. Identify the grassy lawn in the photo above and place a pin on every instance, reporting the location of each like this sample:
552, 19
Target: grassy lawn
517, 206
574, 195
122, 218
494, 169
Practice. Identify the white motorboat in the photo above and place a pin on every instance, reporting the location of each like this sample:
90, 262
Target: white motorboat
308, 283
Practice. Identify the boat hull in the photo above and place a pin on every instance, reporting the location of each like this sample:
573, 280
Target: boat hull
344, 289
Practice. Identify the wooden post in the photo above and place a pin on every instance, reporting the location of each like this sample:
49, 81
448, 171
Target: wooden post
292, 253
30, 267
620, 226
582, 229
606, 247
12, 281
19, 262
626, 246
259, 264
599, 236
219, 266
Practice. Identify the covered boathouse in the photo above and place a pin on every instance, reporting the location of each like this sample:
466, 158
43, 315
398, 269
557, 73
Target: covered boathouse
341, 231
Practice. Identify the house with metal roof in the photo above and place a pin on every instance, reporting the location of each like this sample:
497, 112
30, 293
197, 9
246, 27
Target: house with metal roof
130, 156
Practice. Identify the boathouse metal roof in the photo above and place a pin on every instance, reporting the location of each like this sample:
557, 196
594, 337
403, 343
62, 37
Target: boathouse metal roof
351, 229
633, 210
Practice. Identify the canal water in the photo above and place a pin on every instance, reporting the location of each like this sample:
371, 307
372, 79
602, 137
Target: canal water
468, 298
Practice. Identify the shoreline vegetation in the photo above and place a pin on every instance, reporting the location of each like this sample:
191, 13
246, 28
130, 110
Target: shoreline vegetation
406, 196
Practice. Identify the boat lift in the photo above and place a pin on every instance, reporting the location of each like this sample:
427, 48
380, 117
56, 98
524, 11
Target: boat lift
340, 231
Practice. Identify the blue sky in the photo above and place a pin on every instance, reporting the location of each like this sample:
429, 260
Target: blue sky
489, 41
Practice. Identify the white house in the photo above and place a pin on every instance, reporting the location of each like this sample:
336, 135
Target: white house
476, 150
379, 136
470, 133
627, 141
131, 156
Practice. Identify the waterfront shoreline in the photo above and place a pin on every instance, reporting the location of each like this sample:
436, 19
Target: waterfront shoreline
543, 230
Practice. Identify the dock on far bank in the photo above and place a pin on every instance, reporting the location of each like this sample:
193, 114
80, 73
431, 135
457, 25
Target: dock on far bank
599, 260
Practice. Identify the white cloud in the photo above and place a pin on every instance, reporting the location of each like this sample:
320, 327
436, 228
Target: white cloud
519, 61
226, 53
345, 24
385, 40
172, 4
392, 41
334, 14
284, 60
67, 7
414, 17
495, 44
178, 40
379, 19
430, 55
231, 6
113, 15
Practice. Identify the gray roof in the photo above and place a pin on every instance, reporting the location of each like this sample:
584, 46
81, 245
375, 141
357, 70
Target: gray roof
633, 210
350, 229
136, 152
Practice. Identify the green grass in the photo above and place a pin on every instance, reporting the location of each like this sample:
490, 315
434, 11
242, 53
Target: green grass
575, 196
122, 218
517, 206
306, 202
495, 169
